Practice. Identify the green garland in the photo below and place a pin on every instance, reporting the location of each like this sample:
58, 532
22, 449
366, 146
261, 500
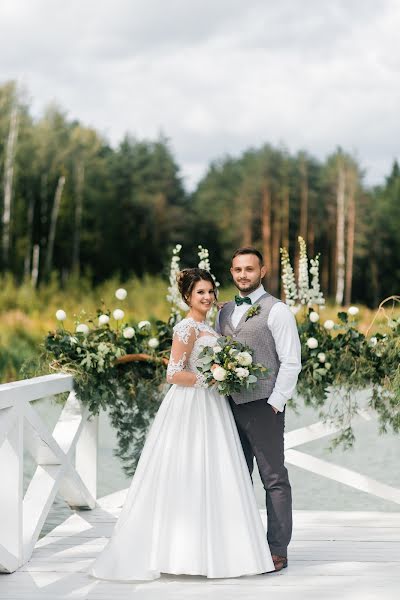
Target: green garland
341, 359
350, 362
131, 391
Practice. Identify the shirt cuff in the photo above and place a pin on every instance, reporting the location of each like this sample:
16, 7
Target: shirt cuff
277, 400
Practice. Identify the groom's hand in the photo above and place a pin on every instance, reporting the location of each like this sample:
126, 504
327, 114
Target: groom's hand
275, 409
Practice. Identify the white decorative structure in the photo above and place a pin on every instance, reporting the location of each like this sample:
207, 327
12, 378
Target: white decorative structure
66, 462
305, 461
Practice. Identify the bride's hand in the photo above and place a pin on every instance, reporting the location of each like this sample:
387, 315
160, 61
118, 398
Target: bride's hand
220, 305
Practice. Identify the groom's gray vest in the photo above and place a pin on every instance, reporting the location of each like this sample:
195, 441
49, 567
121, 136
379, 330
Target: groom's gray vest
255, 333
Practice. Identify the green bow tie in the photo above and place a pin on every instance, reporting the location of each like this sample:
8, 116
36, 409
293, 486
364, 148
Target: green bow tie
239, 300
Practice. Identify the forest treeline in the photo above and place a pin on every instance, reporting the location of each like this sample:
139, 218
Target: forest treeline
71, 204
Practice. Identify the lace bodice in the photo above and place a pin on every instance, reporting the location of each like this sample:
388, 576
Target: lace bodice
190, 337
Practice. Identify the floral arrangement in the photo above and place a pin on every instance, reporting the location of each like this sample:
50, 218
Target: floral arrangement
230, 364
338, 359
301, 294
253, 311
119, 365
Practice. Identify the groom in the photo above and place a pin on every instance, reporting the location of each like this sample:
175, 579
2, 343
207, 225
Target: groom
260, 412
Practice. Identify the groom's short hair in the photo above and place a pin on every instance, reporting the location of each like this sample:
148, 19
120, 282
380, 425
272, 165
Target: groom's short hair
249, 250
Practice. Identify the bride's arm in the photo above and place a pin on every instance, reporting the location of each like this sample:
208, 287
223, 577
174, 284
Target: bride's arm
182, 345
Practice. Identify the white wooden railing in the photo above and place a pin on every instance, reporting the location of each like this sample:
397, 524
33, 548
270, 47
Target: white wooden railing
66, 461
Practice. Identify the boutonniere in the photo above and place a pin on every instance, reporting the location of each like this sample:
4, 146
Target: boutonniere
253, 310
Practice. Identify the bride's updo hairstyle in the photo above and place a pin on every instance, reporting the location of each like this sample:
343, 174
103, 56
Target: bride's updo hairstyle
187, 278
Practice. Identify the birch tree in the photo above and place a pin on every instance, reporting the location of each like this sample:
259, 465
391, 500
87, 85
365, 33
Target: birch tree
340, 231
350, 235
53, 223
8, 180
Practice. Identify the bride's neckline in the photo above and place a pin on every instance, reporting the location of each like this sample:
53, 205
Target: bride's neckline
193, 319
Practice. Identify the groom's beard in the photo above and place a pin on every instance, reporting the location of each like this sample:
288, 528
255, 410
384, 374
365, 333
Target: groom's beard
248, 288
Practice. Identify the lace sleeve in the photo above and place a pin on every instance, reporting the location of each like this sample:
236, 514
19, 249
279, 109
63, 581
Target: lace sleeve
185, 334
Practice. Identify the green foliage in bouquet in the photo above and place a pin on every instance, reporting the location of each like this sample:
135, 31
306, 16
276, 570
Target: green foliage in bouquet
230, 364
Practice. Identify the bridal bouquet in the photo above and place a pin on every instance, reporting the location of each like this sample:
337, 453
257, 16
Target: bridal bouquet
230, 364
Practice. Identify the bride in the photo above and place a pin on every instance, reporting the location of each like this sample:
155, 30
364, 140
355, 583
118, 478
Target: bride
190, 508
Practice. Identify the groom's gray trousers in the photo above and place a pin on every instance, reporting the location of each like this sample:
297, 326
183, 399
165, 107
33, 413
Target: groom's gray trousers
261, 434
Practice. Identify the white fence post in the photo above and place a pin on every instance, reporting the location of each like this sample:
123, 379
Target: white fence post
11, 488
66, 462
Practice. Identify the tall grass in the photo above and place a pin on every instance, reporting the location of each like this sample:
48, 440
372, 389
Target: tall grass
27, 314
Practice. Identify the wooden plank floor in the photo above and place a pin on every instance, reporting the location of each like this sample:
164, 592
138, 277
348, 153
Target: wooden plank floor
333, 555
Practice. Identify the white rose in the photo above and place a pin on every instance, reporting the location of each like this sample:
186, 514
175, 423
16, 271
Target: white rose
61, 315
242, 373
312, 343
121, 294
244, 359
217, 349
128, 332
104, 319
143, 324
329, 324
219, 374
321, 357
82, 328
118, 314
153, 343
314, 317
373, 341
353, 310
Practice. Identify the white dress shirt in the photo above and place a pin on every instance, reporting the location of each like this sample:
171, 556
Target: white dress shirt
283, 327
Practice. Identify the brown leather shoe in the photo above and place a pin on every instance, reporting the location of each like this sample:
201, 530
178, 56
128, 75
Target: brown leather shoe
280, 562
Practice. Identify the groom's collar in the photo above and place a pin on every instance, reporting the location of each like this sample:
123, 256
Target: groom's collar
260, 291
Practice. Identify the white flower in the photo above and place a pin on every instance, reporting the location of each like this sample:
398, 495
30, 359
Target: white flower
295, 309
373, 341
242, 373
217, 349
118, 314
104, 319
219, 373
153, 342
144, 324
82, 328
244, 359
121, 294
312, 343
329, 324
321, 357
128, 332
61, 315
353, 310
314, 317
327, 366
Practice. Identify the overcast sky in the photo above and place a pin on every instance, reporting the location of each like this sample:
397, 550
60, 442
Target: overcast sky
216, 76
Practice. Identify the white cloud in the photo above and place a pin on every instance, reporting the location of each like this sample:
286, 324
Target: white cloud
216, 77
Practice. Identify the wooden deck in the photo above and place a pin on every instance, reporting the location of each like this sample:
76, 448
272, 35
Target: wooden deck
339, 555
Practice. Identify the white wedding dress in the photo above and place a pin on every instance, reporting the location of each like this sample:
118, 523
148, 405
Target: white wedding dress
190, 508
